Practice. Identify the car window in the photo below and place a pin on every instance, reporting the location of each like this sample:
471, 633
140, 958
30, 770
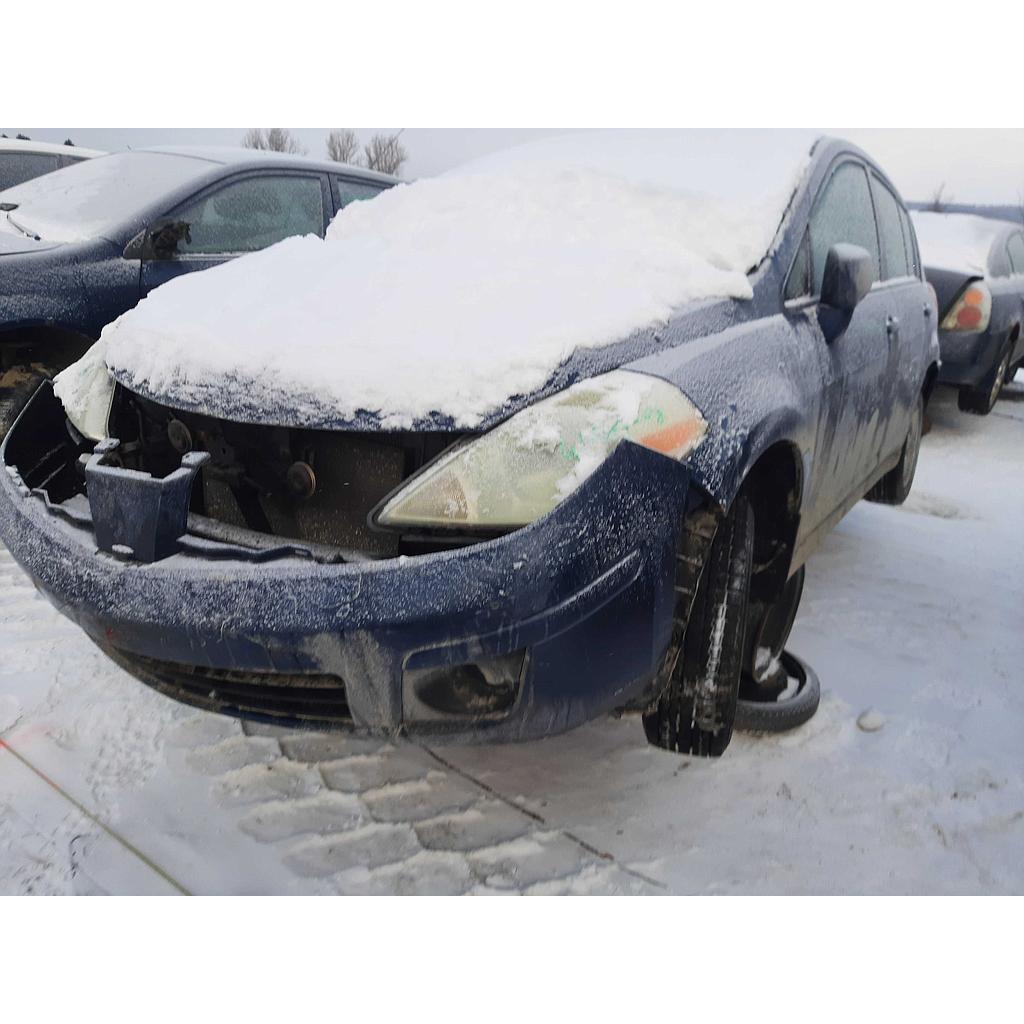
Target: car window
1016, 251
346, 192
910, 236
798, 284
890, 228
251, 214
843, 213
16, 168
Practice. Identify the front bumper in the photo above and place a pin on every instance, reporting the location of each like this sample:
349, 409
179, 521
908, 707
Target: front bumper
585, 595
969, 359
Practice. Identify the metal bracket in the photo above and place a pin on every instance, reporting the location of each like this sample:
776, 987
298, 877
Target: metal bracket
134, 514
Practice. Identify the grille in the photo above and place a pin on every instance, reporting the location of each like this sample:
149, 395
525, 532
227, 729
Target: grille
276, 696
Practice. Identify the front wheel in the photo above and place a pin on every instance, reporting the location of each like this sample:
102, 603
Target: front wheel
696, 713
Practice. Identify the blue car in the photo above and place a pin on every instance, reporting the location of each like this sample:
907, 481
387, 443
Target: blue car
82, 245
577, 421
976, 266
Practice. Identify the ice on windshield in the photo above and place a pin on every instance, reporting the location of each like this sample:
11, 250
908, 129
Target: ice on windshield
91, 198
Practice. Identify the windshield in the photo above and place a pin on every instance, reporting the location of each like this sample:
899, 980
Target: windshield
90, 199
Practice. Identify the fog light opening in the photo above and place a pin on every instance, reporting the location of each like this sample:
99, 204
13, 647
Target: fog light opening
484, 688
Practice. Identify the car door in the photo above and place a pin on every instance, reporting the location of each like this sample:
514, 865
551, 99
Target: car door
850, 427
241, 215
909, 319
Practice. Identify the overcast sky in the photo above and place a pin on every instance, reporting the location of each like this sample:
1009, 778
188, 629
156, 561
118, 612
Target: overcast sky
980, 165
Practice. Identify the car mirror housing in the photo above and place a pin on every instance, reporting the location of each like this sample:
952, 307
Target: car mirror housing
848, 278
159, 241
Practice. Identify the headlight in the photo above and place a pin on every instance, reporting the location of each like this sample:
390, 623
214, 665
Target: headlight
523, 468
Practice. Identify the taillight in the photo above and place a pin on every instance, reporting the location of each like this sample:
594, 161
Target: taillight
971, 311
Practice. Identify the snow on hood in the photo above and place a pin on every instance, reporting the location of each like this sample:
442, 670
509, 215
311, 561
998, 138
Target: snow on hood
452, 295
955, 241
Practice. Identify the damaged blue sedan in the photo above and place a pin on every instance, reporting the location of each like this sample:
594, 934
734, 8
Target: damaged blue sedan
548, 437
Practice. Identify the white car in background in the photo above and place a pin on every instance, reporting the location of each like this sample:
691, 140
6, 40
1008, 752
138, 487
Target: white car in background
22, 159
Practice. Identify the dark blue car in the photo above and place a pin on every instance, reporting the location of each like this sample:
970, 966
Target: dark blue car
976, 266
628, 535
82, 245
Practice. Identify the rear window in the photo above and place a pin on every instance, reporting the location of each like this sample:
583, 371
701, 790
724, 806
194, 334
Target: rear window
95, 196
16, 168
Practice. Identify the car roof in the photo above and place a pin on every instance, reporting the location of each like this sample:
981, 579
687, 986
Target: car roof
237, 156
31, 146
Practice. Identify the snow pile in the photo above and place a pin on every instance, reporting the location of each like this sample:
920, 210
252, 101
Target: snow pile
452, 295
955, 241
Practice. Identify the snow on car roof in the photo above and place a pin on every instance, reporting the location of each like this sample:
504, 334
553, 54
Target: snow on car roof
453, 294
31, 146
956, 241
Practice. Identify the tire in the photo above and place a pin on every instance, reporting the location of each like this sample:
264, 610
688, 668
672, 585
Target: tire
786, 714
768, 628
17, 386
894, 488
697, 712
981, 401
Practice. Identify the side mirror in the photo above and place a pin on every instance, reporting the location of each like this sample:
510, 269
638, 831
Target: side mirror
159, 241
848, 278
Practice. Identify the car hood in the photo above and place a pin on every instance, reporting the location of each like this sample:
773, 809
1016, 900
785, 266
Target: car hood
12, 244
451, 302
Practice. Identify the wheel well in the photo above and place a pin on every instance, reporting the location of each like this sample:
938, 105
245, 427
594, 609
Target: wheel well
774, 486
46, 347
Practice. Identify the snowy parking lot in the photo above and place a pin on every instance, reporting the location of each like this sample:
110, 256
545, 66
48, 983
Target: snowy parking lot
910, 778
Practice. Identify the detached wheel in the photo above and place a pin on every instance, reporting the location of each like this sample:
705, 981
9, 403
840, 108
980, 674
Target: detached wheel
981, 401
697, 712
894, 488
791, 708
17, 386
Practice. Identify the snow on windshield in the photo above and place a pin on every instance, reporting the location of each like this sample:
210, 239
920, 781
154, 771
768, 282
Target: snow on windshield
91, 198
955, 241
453, 294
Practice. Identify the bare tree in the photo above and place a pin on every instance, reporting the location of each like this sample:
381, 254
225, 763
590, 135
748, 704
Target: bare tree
278, 140
343, 146
939, 200
385, 153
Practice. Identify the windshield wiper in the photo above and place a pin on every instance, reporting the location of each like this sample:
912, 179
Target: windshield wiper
24, 230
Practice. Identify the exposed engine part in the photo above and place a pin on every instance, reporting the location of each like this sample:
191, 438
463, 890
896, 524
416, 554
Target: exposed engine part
180, 437
301, 480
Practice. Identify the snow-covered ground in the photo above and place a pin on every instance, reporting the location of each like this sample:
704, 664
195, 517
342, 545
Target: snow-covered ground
912, 613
